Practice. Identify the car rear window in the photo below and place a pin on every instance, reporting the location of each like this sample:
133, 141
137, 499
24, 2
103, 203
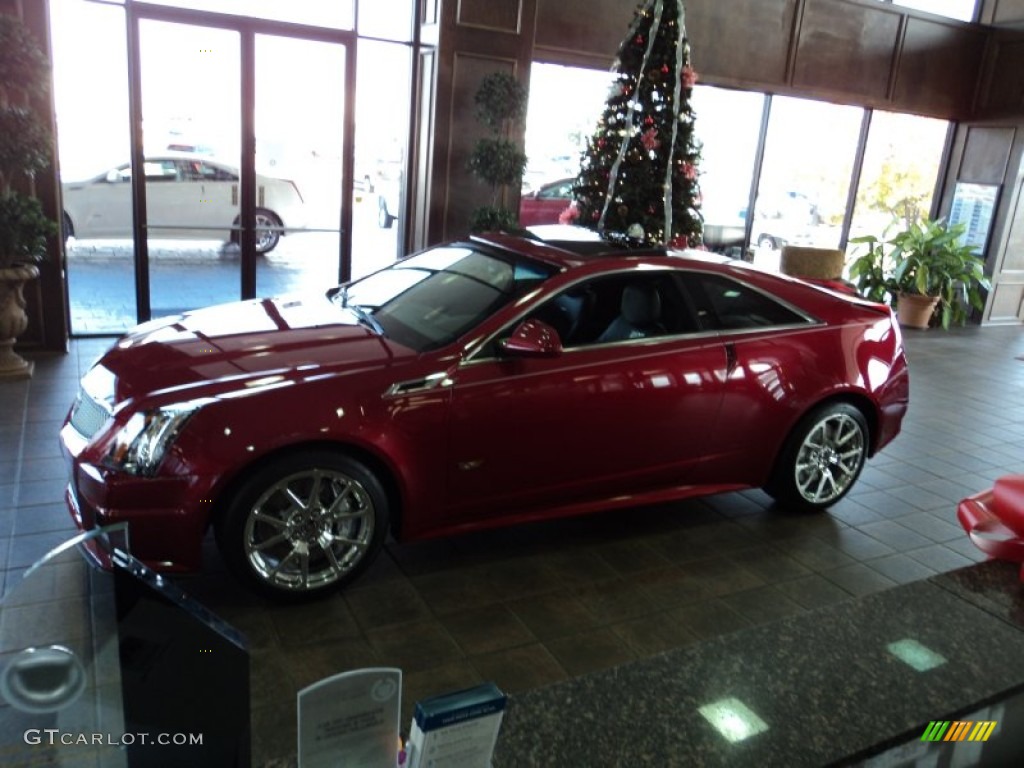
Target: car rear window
725, 304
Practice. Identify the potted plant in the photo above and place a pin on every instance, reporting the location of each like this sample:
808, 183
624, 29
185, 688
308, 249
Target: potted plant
24, 150
497, 160
936, 269
926, 270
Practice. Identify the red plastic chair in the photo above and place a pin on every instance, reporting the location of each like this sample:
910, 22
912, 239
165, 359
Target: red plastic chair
994, 519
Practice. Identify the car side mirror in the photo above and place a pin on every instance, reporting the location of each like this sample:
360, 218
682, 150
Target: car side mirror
533, 338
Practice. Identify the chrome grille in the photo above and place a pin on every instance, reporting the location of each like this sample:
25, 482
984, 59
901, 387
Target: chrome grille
88, 416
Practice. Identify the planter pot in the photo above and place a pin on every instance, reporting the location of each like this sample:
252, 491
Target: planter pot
13, 320
915, 311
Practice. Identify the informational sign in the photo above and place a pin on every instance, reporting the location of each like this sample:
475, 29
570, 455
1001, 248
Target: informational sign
974, 205
351, 719
456, 730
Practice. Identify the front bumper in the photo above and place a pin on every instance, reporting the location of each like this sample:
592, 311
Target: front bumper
165, 522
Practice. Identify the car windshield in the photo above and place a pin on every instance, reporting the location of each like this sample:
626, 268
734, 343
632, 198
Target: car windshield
433, 298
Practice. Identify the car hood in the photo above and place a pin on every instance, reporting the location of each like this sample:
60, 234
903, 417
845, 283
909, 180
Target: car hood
227, 347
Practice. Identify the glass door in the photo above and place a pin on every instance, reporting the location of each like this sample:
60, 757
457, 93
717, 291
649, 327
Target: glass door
191, 126
300, 127
243, 154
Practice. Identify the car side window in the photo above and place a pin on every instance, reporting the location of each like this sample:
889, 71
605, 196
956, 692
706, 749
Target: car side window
726, 304
556, 191
613, 308
161, 170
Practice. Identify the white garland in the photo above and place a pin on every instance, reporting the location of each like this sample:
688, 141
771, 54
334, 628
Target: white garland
613, 176
676, 95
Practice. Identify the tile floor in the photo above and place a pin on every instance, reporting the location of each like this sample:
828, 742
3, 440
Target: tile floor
548, 602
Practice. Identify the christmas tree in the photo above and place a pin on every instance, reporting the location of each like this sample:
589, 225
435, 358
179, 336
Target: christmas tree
638, 177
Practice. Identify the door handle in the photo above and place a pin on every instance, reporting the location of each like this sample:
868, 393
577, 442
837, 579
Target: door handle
730, 359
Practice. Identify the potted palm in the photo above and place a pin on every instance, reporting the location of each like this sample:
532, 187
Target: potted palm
926, 271
24, 150
937, 273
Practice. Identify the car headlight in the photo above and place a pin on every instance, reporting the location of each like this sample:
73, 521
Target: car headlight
139, 445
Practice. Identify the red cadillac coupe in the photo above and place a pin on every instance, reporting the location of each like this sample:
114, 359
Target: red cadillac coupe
480, 383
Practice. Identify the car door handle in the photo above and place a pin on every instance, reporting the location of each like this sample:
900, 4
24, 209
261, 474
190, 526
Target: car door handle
730, 359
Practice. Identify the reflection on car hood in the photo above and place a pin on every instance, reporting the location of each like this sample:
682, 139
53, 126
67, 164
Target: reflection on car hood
234, 343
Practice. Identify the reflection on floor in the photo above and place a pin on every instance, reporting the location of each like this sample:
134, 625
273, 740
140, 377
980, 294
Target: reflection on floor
611, 631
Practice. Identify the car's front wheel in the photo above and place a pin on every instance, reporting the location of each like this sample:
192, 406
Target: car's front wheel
305, 525
822, 458
384, 218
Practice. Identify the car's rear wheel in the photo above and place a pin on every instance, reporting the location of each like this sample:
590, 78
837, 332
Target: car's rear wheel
822, 458
305, 525
767, 242
268, 233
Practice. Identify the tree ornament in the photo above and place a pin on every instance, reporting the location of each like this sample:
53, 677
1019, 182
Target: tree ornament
650, 139
635, 232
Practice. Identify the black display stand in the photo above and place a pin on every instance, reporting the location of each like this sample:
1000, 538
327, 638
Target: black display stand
103, 661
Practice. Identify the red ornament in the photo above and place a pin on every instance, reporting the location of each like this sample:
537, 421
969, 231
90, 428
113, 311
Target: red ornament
650, 139
679, 241
689, 77
639, 39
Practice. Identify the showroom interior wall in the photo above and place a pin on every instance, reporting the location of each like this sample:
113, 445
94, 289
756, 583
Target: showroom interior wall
989, 149
859, 52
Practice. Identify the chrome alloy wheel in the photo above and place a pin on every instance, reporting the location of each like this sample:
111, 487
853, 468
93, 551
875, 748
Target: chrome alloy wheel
267, 232
830, 457
309, 529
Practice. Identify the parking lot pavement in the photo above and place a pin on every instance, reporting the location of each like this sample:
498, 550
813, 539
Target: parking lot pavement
187, 274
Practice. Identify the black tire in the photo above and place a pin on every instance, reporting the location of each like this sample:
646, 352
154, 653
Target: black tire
384, 218
275, 543
767, 241
822, 458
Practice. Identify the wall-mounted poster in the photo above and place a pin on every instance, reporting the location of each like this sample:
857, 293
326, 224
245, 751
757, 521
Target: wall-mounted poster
974, 205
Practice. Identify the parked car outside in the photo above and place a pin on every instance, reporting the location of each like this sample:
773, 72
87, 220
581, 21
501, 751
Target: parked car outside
481, 383
546, 203
188, 196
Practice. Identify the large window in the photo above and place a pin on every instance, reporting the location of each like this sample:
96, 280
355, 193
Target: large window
899, 173
808, 153
728, 126
565, 104
953, 9
805, 177
338, 14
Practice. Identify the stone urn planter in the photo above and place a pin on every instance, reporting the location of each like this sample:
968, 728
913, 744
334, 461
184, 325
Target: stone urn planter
13, 319
914, 310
